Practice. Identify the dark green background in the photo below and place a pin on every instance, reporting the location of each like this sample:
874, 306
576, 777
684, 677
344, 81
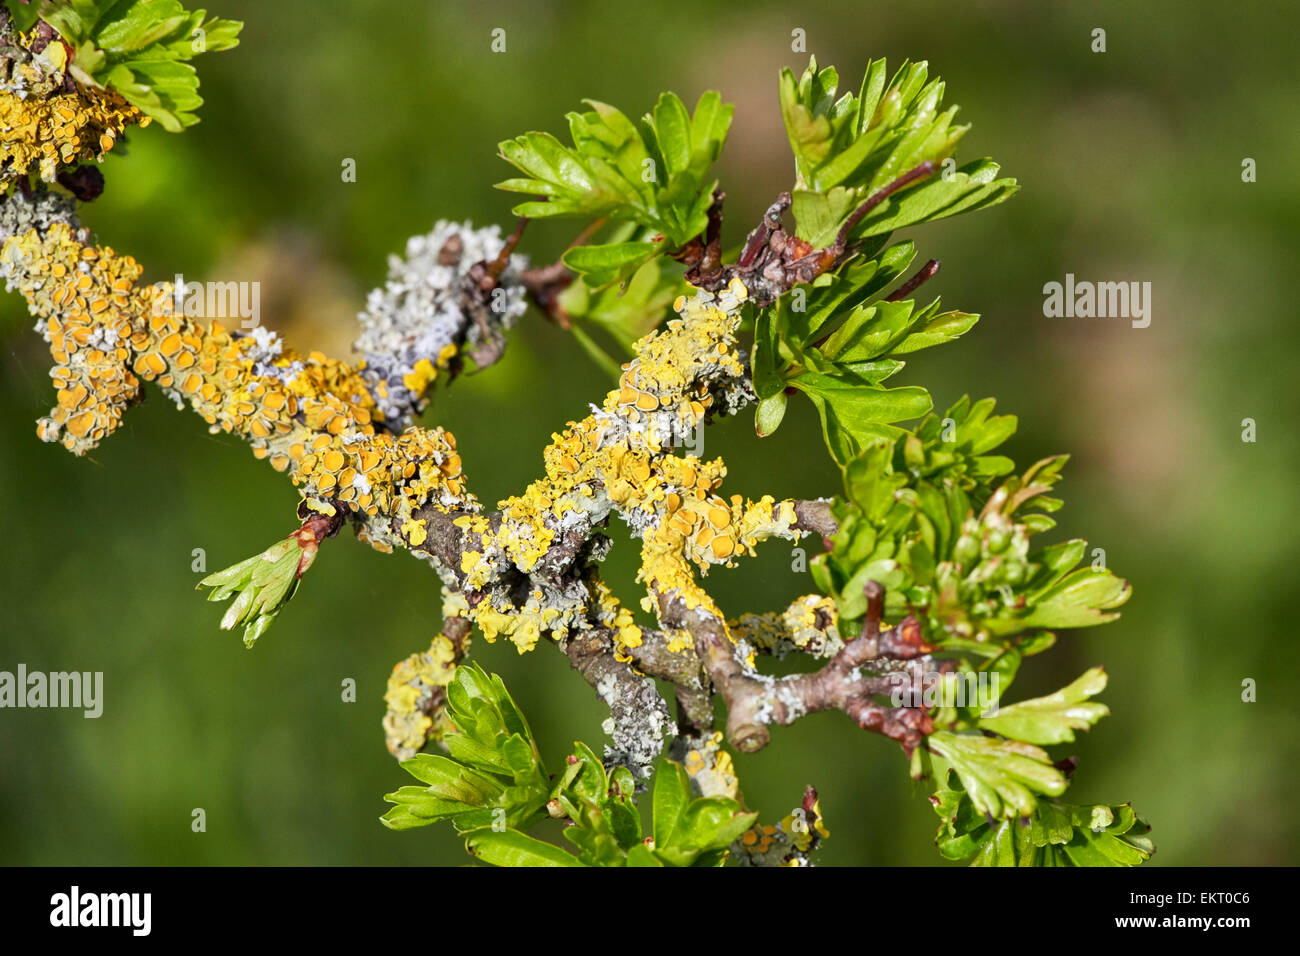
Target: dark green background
1131, 166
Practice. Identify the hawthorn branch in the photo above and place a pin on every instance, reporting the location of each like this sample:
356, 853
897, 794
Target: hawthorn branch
923, 275
772, 261
639, 718
815, 517
845, 683
524, 571
544, 285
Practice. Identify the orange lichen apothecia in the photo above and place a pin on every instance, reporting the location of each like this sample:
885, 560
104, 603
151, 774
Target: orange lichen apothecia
312, 418
47, 121
61, 130
789, 842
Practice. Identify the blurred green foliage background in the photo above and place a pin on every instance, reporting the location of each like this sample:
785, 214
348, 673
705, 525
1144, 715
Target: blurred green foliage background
1131, 166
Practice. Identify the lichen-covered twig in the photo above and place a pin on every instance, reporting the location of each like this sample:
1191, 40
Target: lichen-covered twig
523, 571
639, 719
526, 569
346, 436
755, 701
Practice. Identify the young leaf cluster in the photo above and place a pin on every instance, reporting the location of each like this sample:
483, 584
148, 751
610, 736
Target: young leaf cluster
998, 800
1053, 834
847, 147
140, 48
492, 774
995, 751
652, 175
935, 518
605, 826
493, 788
261, 585
837, 341
833, 339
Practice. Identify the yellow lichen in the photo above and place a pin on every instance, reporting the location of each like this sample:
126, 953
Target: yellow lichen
807, 625
413, 528
314, 418
61, 129
311, 417
415, 701
710, 768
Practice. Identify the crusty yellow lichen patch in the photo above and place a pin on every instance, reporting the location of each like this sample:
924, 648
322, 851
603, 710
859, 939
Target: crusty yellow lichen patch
620, 459
788, 842
416, 714
314, 418
807, 625
311, 417
610, 612
523, 625
87, 299
61, 129
710, 768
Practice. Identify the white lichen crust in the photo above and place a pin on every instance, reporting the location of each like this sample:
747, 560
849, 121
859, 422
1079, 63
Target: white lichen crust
417, 322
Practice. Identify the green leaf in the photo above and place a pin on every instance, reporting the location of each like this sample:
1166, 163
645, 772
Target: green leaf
626, 314
945, 327
138, 47
512, 848
672, 132
870, 332
1052, 719
868, 481
589, 782
653, 174
1001, 776
642, 855
712, 823
615, 262
768, 381
709, 127
771, 410
1080, 599
803, 111
972, 187
853, 415
22, 15
819, 216
418, 807
671, 794
1057, 560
